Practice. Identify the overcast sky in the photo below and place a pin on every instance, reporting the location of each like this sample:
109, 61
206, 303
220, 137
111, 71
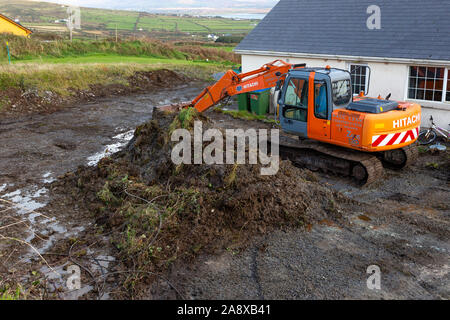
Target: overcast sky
151, 5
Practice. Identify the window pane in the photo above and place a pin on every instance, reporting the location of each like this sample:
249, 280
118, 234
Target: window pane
420, 94
412, 82
438, 95
295, 95
431, 72
447, 97
422, 72
320, 100
295, 114
342, 93
421, 83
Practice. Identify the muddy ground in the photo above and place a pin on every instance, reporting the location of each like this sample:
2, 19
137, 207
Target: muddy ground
400, 224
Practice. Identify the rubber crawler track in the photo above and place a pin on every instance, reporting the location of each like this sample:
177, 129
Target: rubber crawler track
330, 158
412, 154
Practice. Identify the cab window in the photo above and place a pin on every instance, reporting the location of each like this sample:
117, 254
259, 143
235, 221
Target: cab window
296, 93
296, 100
320, 100
342, 92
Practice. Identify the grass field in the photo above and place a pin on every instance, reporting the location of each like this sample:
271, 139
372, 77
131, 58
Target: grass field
109, 51
63, 66
113, 59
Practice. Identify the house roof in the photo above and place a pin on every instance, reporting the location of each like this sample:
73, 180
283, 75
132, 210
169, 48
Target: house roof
410, 29
15, 23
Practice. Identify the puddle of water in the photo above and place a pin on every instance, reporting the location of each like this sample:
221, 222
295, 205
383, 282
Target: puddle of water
26, 203
121, 141
47, 177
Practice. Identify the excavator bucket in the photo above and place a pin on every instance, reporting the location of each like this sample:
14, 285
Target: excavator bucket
174, 107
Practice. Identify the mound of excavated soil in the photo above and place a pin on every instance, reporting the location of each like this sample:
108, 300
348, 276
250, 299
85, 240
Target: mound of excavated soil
158, 212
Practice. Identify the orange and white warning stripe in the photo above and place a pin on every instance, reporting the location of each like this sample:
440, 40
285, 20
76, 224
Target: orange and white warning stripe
395, 138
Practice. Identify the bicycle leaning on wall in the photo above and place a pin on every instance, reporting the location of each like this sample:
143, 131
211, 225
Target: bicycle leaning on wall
427, 136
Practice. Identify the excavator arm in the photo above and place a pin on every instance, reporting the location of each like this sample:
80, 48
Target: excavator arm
232, 83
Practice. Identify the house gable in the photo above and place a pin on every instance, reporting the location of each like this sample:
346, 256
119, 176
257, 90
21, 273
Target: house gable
10, 26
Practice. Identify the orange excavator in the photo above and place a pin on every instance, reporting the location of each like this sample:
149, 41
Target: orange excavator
326, 127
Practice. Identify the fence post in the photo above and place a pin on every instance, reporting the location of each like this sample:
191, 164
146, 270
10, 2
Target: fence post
9, 54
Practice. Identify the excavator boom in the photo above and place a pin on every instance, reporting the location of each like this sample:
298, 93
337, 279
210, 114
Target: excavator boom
232, 83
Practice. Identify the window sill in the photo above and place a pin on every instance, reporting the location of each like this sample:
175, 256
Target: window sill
432, 104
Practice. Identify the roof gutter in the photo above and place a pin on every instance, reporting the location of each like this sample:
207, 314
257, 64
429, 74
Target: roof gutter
345, 57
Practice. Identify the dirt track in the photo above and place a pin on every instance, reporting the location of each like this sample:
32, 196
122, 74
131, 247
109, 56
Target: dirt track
406, 235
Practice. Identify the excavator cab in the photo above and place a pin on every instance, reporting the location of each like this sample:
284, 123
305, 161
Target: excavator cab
308, 97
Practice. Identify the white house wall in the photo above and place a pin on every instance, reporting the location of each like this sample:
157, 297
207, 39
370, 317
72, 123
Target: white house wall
385, 78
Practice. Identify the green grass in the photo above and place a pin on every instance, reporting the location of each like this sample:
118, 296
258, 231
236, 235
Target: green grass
107, 51
113, 59
109, 19
245, 115
10, 294
224, 48
194, 25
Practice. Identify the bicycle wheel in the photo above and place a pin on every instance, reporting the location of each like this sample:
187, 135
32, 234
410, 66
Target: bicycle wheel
426, 137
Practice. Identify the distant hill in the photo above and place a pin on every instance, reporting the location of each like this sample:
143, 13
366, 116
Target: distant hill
49, 17
203, 7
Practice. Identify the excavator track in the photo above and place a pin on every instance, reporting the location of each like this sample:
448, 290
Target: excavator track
364, 167
400, 158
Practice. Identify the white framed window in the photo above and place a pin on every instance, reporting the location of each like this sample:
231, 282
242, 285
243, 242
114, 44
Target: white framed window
429, 83
447, 88
360, 77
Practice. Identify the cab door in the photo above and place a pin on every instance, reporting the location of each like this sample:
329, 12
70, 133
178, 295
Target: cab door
319, 107
294, 105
